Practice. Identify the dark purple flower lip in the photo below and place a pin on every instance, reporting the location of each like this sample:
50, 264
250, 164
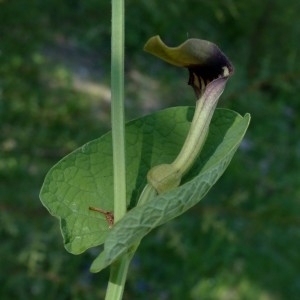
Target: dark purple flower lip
204, 60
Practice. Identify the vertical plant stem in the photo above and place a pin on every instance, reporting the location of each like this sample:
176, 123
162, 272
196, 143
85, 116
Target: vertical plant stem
117, 108
118, 272
117, 279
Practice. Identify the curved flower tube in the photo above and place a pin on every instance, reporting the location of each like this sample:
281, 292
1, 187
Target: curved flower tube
209, 70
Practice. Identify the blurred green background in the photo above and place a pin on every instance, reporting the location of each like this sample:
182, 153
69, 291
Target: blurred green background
243, 240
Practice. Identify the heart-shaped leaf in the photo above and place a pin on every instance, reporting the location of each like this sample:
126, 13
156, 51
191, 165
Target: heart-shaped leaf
84, 177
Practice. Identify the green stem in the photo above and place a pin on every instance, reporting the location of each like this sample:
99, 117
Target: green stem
119, 269
118, 272
117, 279
117, 108
148, 193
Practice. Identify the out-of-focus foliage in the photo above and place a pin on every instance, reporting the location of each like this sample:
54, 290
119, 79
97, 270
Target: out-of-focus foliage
242, 241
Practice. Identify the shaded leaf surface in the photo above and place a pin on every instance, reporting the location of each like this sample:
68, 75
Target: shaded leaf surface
84, 177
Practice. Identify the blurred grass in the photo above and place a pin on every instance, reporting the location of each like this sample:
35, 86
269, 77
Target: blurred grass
242, 241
